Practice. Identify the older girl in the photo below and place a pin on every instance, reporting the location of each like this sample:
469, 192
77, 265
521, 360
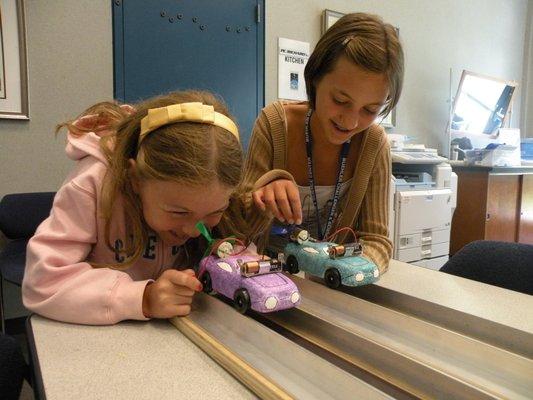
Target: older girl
325, 163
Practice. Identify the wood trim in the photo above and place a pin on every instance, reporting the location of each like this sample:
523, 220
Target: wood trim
503, 208
525, 227
241, 370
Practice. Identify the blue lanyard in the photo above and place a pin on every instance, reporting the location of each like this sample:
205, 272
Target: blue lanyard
342, 166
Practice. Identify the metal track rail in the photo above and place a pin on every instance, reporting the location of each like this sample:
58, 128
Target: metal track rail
490, 314
293, 371
423, 359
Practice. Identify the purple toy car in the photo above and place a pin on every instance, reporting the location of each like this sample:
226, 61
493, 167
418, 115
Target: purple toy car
252, 281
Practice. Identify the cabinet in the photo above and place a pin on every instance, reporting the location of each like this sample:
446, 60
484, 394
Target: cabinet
525, 231
492, 204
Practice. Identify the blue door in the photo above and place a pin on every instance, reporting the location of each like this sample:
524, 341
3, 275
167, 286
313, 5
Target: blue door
217, 45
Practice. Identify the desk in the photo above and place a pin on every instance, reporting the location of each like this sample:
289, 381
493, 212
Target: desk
493, 203
137, 360
153, 360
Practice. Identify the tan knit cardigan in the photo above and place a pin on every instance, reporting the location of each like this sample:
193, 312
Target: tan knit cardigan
364, 207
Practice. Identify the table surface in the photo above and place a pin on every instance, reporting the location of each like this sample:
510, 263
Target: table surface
523, 169
491, 303
137, 360
129, 360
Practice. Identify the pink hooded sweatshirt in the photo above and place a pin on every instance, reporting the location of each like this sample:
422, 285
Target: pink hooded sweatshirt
59, 282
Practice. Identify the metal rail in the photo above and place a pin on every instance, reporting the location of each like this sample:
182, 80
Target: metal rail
297, 371
421, 358
493, 315
456, 340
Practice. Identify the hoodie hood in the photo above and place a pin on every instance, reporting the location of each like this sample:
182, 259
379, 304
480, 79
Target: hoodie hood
87, 144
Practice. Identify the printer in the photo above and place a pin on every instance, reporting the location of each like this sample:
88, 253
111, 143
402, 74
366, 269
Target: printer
422, 201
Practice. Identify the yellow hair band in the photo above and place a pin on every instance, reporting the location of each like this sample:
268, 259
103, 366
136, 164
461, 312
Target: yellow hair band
185, 112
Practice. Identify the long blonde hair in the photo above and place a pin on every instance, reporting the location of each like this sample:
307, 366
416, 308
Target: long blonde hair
369, 43
184, 152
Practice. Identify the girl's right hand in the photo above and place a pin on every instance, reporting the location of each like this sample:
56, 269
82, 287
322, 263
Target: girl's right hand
282, 199
171, 294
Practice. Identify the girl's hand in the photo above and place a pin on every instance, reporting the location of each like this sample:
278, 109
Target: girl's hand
171, 294
282, 199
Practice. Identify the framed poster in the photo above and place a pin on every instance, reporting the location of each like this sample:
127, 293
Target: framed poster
389, 121
13, 61
329, 17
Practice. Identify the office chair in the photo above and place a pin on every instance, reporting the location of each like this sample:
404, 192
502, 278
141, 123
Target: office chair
503, 264
20, 215
13, 368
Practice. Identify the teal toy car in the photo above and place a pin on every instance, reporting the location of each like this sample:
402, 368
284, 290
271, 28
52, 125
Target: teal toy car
337, 264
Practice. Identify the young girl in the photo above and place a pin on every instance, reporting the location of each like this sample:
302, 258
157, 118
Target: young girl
119, 224
325, 163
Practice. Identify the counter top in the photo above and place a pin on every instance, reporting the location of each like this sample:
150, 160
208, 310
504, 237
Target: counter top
152, 359
129, 360
523, 169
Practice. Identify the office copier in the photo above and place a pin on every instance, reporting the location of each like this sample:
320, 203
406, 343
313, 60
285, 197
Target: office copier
422, 201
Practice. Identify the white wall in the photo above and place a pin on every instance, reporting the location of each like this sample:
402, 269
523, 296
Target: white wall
484, 36
70, 57
70, 60
71, 66
526, 121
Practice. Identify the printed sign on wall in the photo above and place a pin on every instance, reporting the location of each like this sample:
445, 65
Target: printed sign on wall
293, 56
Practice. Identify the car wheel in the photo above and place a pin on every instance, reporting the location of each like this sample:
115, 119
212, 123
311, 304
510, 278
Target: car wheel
292, 265
241, 300
332, 278
206, 282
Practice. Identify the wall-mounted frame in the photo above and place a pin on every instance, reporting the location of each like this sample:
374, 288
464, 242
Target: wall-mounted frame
390, 120
13, 61
329, 17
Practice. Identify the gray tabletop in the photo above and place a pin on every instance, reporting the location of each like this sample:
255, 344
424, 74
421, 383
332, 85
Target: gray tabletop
488, 302
141, 360
461, 166
130, 360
